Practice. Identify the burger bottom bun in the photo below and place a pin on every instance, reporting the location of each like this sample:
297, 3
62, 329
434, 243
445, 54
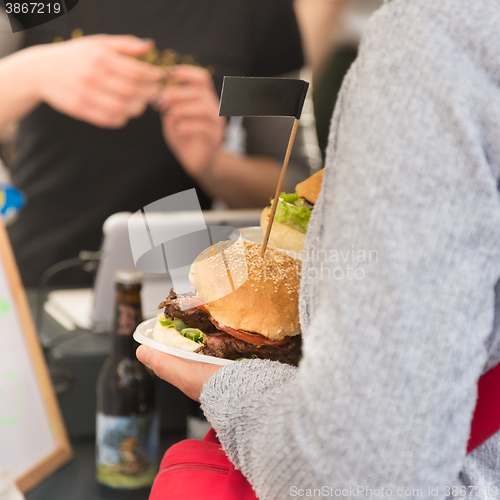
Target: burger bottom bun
171, 337
282, 237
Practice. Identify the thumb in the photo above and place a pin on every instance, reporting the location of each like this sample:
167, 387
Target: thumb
157, 361
143, 354
129, 45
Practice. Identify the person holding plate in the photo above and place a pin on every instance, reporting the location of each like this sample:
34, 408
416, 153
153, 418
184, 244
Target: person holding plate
382, 401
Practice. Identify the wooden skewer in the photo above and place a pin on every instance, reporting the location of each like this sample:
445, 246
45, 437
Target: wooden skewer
223, 258
280, 183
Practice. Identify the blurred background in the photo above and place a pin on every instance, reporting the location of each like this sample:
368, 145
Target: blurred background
330, 31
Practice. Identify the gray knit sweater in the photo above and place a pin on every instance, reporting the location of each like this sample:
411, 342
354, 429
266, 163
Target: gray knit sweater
400, 295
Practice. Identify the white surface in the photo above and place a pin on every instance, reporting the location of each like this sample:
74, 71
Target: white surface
144, 335
25, 431
8, 488
71, 308
61, 317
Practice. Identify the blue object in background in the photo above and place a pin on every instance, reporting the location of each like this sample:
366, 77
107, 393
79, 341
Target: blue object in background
11, 201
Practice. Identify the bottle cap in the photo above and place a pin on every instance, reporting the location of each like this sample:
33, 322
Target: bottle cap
128, 276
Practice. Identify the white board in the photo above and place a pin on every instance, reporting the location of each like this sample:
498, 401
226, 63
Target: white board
33, 440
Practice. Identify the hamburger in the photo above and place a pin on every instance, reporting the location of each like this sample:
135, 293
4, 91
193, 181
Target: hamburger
292, 215
245, 306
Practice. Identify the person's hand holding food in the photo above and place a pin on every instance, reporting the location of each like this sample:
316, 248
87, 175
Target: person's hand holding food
97, 79
245, 307
192, 127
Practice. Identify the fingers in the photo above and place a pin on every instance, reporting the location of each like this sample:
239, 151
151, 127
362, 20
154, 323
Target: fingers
129, 90
180, 99
134, 70
134, 82
192, 110
193, 75
162, 364
193, 128
112, 87
171, 95
111, 54
188, 377
108, 102
127, 44
196, 108
108, 110
99, 79
104, 109
194, 133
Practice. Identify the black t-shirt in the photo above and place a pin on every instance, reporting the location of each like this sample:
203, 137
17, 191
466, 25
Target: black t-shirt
75, 175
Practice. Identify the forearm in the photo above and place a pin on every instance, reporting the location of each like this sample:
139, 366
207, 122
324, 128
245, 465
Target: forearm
250, 180
18, 94
318, 21
241, 181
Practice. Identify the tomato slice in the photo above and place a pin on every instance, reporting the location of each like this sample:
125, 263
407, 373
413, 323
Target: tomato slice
252, 338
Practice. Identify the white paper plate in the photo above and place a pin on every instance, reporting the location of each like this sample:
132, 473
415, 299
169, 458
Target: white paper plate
144, 335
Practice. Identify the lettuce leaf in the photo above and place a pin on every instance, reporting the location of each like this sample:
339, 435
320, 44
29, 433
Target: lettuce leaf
178, 324
194, 334
293, 211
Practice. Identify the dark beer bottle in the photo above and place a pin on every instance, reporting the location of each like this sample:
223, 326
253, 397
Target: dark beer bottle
127, 426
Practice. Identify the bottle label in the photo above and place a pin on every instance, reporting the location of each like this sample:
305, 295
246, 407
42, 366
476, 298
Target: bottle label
128, 318
127, 450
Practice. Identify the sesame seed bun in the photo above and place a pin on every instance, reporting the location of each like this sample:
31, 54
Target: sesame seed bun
282, 236
262, 294
311, 187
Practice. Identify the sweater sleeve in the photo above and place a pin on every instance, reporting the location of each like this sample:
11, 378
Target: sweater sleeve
398, 288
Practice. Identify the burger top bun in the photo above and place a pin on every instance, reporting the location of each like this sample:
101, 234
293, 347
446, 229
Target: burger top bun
282, 236
266, 290
311, 187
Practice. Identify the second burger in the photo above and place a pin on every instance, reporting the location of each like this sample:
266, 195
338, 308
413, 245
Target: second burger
292, 215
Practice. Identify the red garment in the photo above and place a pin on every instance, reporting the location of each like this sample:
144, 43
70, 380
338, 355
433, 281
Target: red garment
486, 418
194, 469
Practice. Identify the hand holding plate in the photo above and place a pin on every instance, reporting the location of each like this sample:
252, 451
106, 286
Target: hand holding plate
187, 377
